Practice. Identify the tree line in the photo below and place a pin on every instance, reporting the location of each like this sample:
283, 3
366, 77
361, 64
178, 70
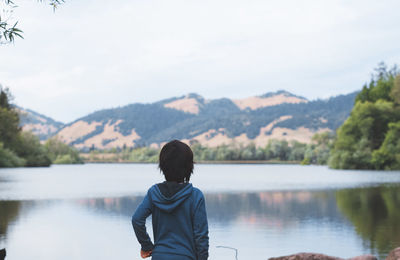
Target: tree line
22, 148
316, 152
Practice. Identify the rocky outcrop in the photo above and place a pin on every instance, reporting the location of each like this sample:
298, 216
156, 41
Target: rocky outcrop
363, 257
305, 256
394, 254
315, 256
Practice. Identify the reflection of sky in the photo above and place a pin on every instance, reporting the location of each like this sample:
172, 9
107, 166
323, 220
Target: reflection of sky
255, 241
65, 231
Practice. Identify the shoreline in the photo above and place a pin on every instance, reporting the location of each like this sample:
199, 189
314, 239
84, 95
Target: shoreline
204, 162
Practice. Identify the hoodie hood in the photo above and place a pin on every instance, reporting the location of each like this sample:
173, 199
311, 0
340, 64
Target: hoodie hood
167, 196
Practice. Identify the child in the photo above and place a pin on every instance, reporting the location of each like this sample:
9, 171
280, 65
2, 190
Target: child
178, 211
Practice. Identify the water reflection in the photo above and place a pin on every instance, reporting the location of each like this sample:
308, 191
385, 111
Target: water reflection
9, 212
272, 223
287, 207
112, 206
226, 208
375, 214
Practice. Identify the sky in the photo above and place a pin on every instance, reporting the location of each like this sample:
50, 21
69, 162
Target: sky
95, 54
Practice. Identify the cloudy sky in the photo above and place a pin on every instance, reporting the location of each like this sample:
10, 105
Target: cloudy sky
95, 54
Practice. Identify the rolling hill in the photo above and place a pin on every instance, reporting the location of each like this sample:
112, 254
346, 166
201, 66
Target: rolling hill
40, 125
192, 118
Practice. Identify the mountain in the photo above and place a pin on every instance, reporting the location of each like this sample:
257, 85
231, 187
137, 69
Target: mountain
40, 125
276, 115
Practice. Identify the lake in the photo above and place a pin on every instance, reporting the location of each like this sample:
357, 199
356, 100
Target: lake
84, 211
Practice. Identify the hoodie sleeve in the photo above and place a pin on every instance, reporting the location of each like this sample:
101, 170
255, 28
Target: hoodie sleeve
200, 229
139, 223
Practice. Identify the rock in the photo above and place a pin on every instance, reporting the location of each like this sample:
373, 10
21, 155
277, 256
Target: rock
363, 257
306, 256
315, 256
394, 254
2, 254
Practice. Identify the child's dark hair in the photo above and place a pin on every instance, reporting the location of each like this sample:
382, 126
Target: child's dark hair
176, 161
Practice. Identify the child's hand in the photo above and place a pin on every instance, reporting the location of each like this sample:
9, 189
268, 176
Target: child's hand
145, 254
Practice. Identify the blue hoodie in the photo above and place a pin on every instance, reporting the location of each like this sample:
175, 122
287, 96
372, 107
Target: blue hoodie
179, 219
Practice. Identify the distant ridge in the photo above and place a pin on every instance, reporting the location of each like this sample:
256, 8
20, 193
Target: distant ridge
269, 99
211, 122
39, 124
281, 92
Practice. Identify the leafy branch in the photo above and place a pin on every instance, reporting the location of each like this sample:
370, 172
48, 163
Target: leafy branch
8, 28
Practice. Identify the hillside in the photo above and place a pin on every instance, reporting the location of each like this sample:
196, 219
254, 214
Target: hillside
40, 125
277, 115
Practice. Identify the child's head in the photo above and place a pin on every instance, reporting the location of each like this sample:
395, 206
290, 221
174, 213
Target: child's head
176, 161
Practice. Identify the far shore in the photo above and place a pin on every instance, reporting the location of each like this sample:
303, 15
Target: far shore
202, 162
116, 158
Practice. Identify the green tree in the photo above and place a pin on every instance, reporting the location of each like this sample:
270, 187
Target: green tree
318, 151
9, 159
388, 155
144, 154
380, 85
361, 134
30, 149
5, 97
17, 148
395, 93
222, 153
277, 150
249, 152
297, 151
359, 139
9, 120
323, 145
61, 153
9, 131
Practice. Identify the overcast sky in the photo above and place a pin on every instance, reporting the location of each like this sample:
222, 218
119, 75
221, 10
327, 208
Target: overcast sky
95, 54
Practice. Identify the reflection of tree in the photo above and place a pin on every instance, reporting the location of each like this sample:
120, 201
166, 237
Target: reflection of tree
278, 208
9, 211
375, 213
113, 206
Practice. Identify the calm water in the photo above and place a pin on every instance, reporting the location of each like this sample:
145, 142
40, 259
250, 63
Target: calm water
83, 211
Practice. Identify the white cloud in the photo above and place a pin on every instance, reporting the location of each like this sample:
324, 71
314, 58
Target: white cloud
99, 54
